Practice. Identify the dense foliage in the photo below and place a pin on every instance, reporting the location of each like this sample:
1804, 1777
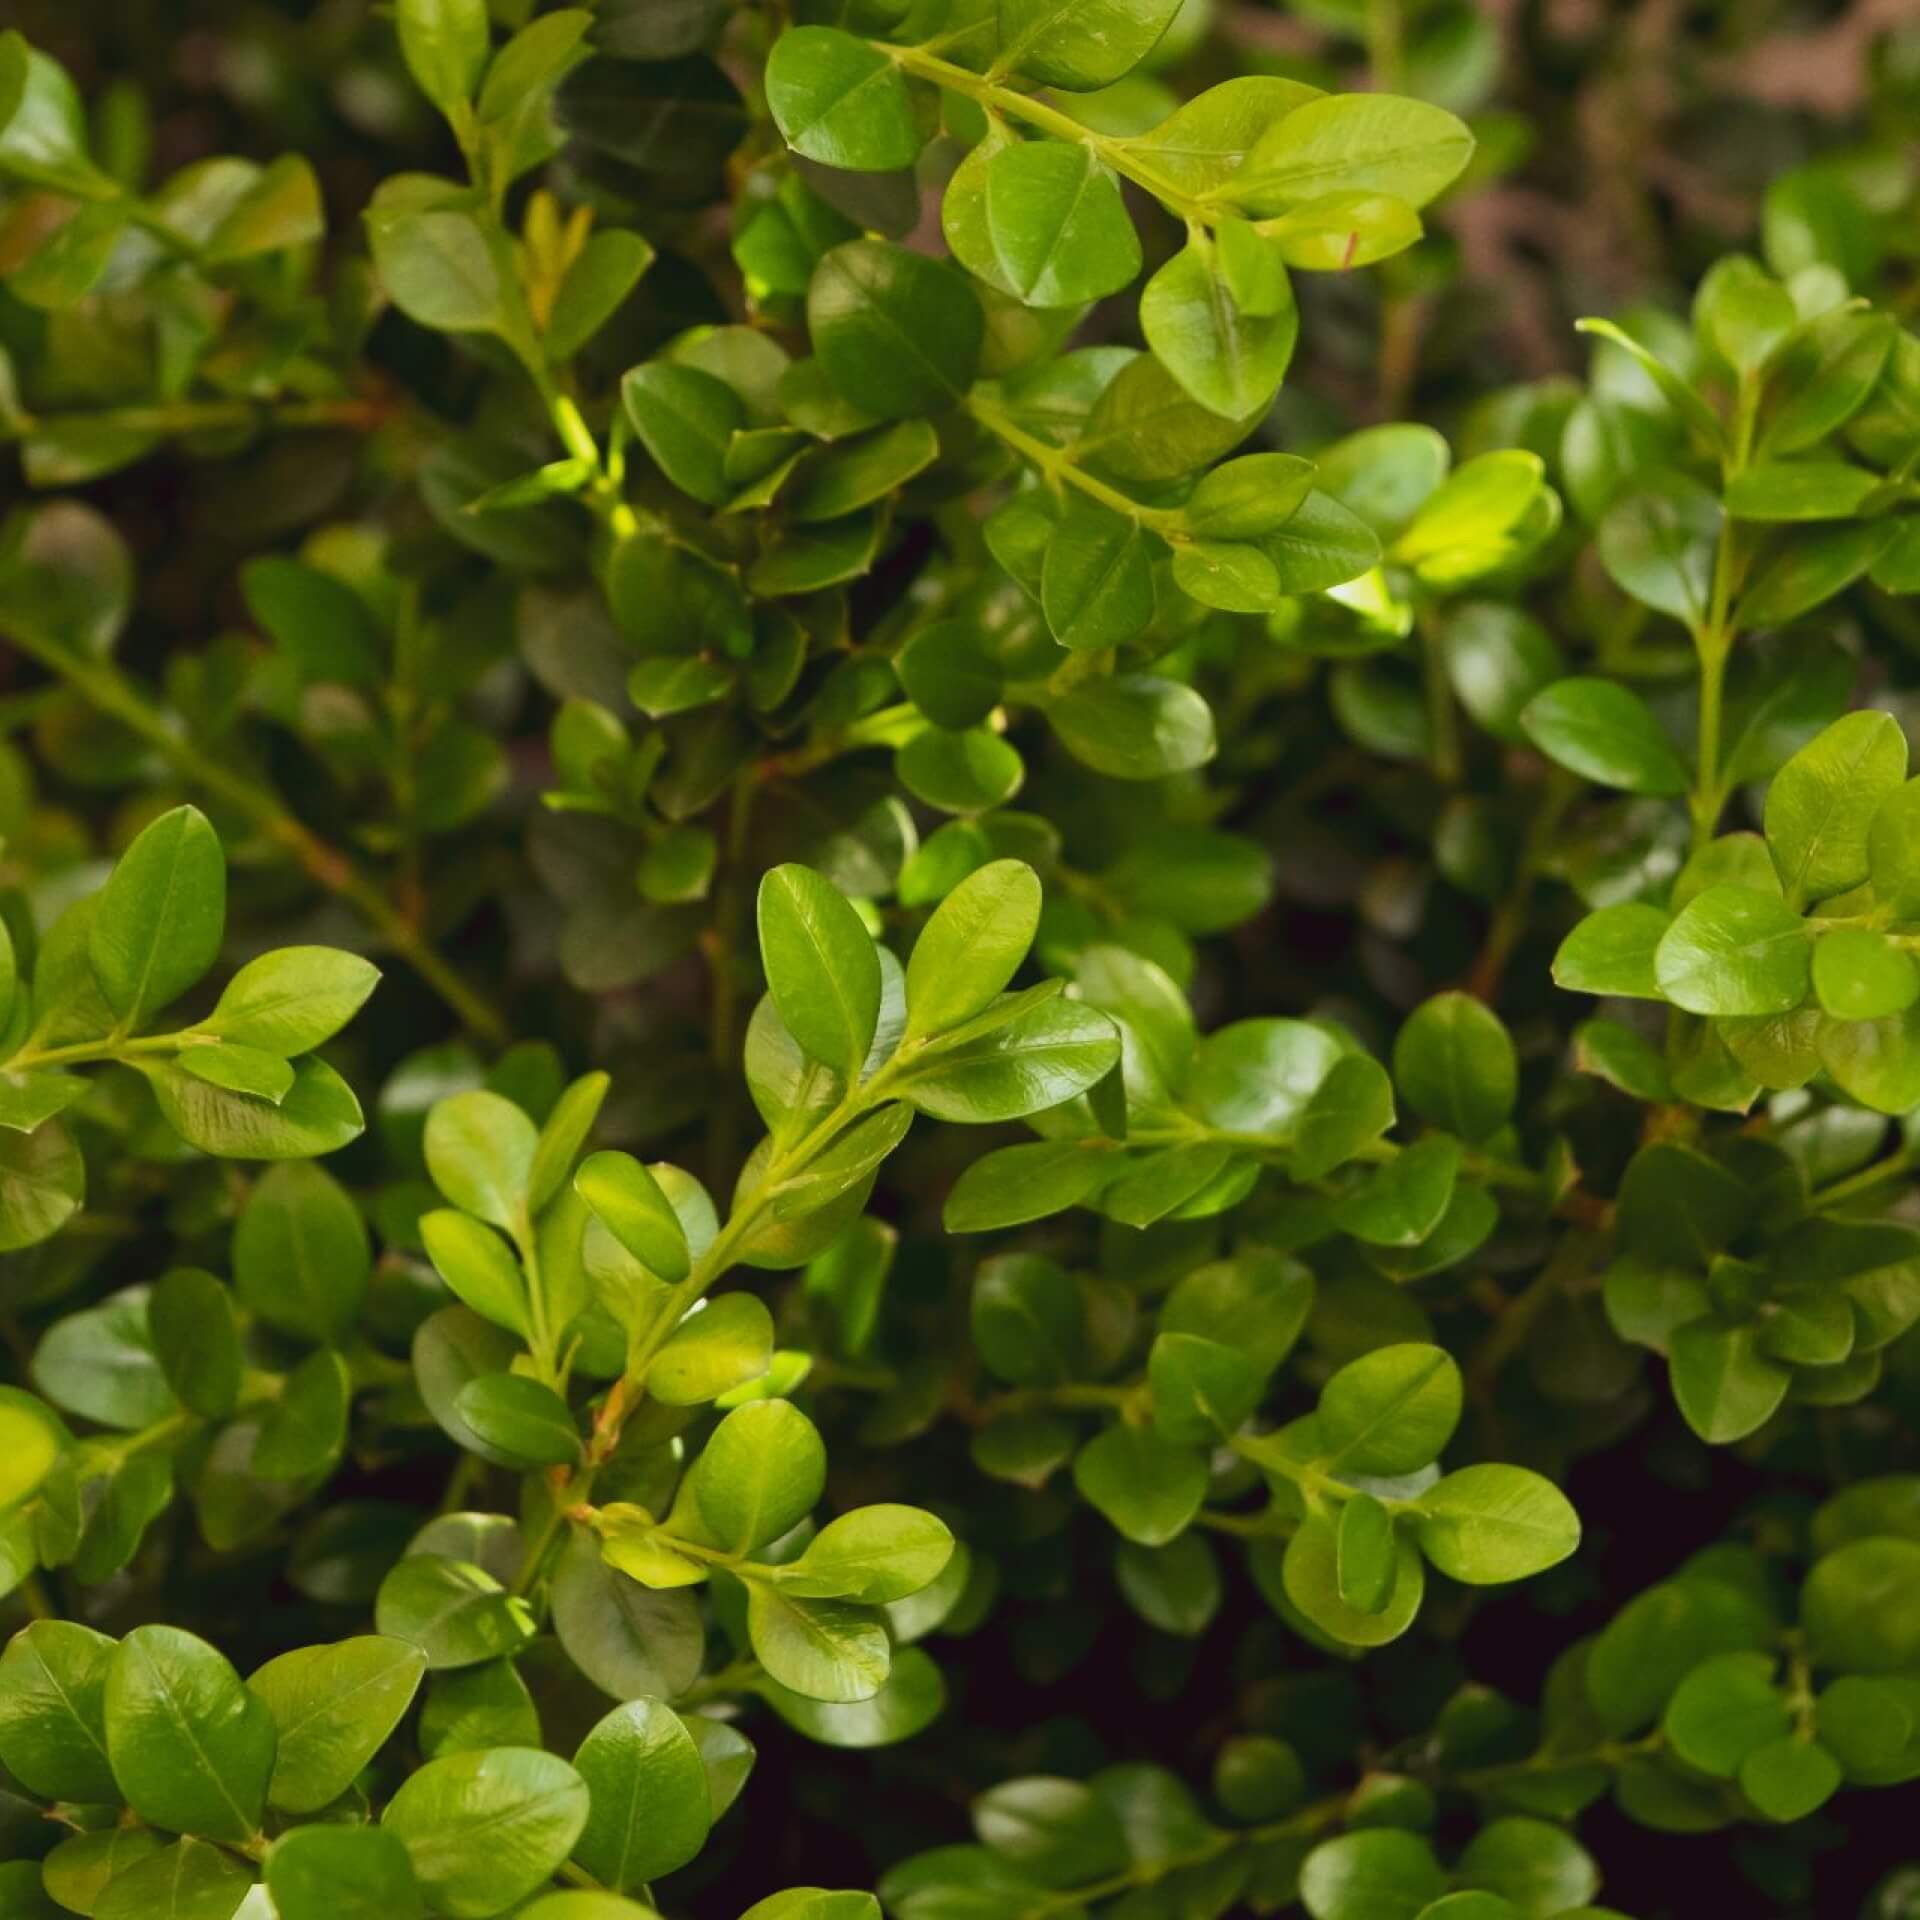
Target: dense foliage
885, 1000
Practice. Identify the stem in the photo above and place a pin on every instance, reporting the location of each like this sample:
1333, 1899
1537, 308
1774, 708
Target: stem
1384, 46
103, 686
1145, 1873
1837, 1192
722, 958
1509, 920
1060, 470
1713, 640
114, 1047
987, 90
1442, 722
627, 1392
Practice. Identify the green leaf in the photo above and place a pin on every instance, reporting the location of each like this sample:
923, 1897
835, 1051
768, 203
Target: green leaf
1079, 46
628, 1201
53, 1677
1376, 1874
196, 1339
1612, 952
1800, 490
1454, 1062
444, 271
281, 209
912, 1697
239, 1070
1809, 567
1391, 1411
1658, 544
1378, 143
480, 1150
686, 420
841, 101
1743, 313
1202, 1389
161, 916
1365, 1562
42, 1183
1854, 1608
971, 947
191, 1748
1893, 851
1725, 1709
651, 1807
842, 479
1789, 1778
1604, 732
1249, 497
1734, 950
485, 1829
1229, 360
1060, 1832
1821, 806
1310, 1582
445, 44
1096, 586
896, 333
333, 1708
1134, 726
821, 966
305, 1432
1057, 225
1147, 1487
457, 1614
100, 1363
627, 1639
826, 1649
760, 1473
475, 1263
520, 1418
1407, 1198
1204, 142
324, 1872
317, 1114
1040, 1059
1485, 1524
1013, 1185
1726, 1385
874, 1554
603, 273
1539, 1867
725, 1344
190, 1880
1823, 377
1861, 975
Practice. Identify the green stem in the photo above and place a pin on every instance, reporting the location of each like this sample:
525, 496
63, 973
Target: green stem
729, 909
1837, 1192
1509, 920
78, 1052
1009, 101
1060, 469
627, 1392
103, 686
1385, 46
1713, 639
1443, 724
1146, 1873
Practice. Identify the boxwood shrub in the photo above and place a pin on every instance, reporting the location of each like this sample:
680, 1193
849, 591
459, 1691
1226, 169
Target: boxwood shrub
958, 958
